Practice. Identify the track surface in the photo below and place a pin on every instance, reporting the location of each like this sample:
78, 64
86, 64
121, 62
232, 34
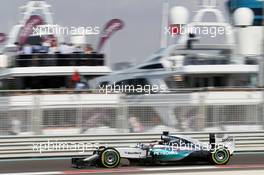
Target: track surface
241, 162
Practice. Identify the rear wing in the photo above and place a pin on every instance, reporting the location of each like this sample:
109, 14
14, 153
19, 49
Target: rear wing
222, 140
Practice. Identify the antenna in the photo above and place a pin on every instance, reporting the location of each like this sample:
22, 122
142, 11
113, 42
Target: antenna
165, 22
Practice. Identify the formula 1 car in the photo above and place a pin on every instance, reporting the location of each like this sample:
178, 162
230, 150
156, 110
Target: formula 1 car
170, 149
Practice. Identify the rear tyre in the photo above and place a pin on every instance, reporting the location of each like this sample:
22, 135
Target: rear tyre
110, 158
220, 156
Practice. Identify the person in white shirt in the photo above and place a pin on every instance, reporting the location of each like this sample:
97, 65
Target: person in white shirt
27, 49
66, 48
45, 47
63, 48
71, 48
78, 49
54, 47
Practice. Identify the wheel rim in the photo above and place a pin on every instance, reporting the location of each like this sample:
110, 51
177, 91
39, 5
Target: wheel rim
110, 157
220, 156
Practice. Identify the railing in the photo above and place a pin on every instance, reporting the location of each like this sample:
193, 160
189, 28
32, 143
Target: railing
75, 59
83, 112
206, 61
29, 146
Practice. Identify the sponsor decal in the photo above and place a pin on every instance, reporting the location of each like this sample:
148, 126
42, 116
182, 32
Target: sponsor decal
132, 152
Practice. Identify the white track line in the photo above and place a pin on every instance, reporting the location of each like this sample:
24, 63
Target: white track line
35, 173
191, 170
180, 168
239, 172
140, 169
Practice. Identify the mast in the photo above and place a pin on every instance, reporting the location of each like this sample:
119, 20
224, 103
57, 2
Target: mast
33, 7
164, 23
36, 5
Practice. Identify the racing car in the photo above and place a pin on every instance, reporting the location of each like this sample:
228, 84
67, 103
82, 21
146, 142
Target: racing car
169, 149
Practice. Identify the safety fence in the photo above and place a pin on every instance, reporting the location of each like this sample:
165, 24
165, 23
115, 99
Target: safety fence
60, 114
79, 145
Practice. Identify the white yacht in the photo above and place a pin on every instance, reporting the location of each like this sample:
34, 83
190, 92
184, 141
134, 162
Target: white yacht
193, 63
43, 70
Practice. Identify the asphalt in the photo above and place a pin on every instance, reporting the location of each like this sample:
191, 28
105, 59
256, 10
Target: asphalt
241, 162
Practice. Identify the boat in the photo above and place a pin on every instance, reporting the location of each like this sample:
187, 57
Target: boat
44, 70
191, 62
187, 63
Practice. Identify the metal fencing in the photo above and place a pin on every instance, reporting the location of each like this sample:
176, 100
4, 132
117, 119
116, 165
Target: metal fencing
84, 113
154, 118
82, 144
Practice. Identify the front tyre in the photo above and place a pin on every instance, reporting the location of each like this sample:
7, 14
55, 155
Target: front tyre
220, 156
110, 158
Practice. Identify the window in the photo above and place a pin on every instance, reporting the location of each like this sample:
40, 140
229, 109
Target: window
134, 82
152, 66
131, 85
175, 81
104, 83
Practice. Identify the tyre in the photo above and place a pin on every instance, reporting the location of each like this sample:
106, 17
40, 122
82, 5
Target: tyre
220, 156
109, 158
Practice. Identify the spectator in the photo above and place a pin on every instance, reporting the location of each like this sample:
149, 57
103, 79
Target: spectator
36, 48
75, 78
78, 49
27, 49
80, 86
15, 126
45, 47
70, 48
66, 48
63, 48
54, 47
17, 47
135, 124
88, 49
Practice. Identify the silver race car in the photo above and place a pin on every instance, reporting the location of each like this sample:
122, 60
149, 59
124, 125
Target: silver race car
169, 149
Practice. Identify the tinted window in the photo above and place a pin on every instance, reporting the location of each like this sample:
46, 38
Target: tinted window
104, 83
131, 85
135, 82
152, 66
